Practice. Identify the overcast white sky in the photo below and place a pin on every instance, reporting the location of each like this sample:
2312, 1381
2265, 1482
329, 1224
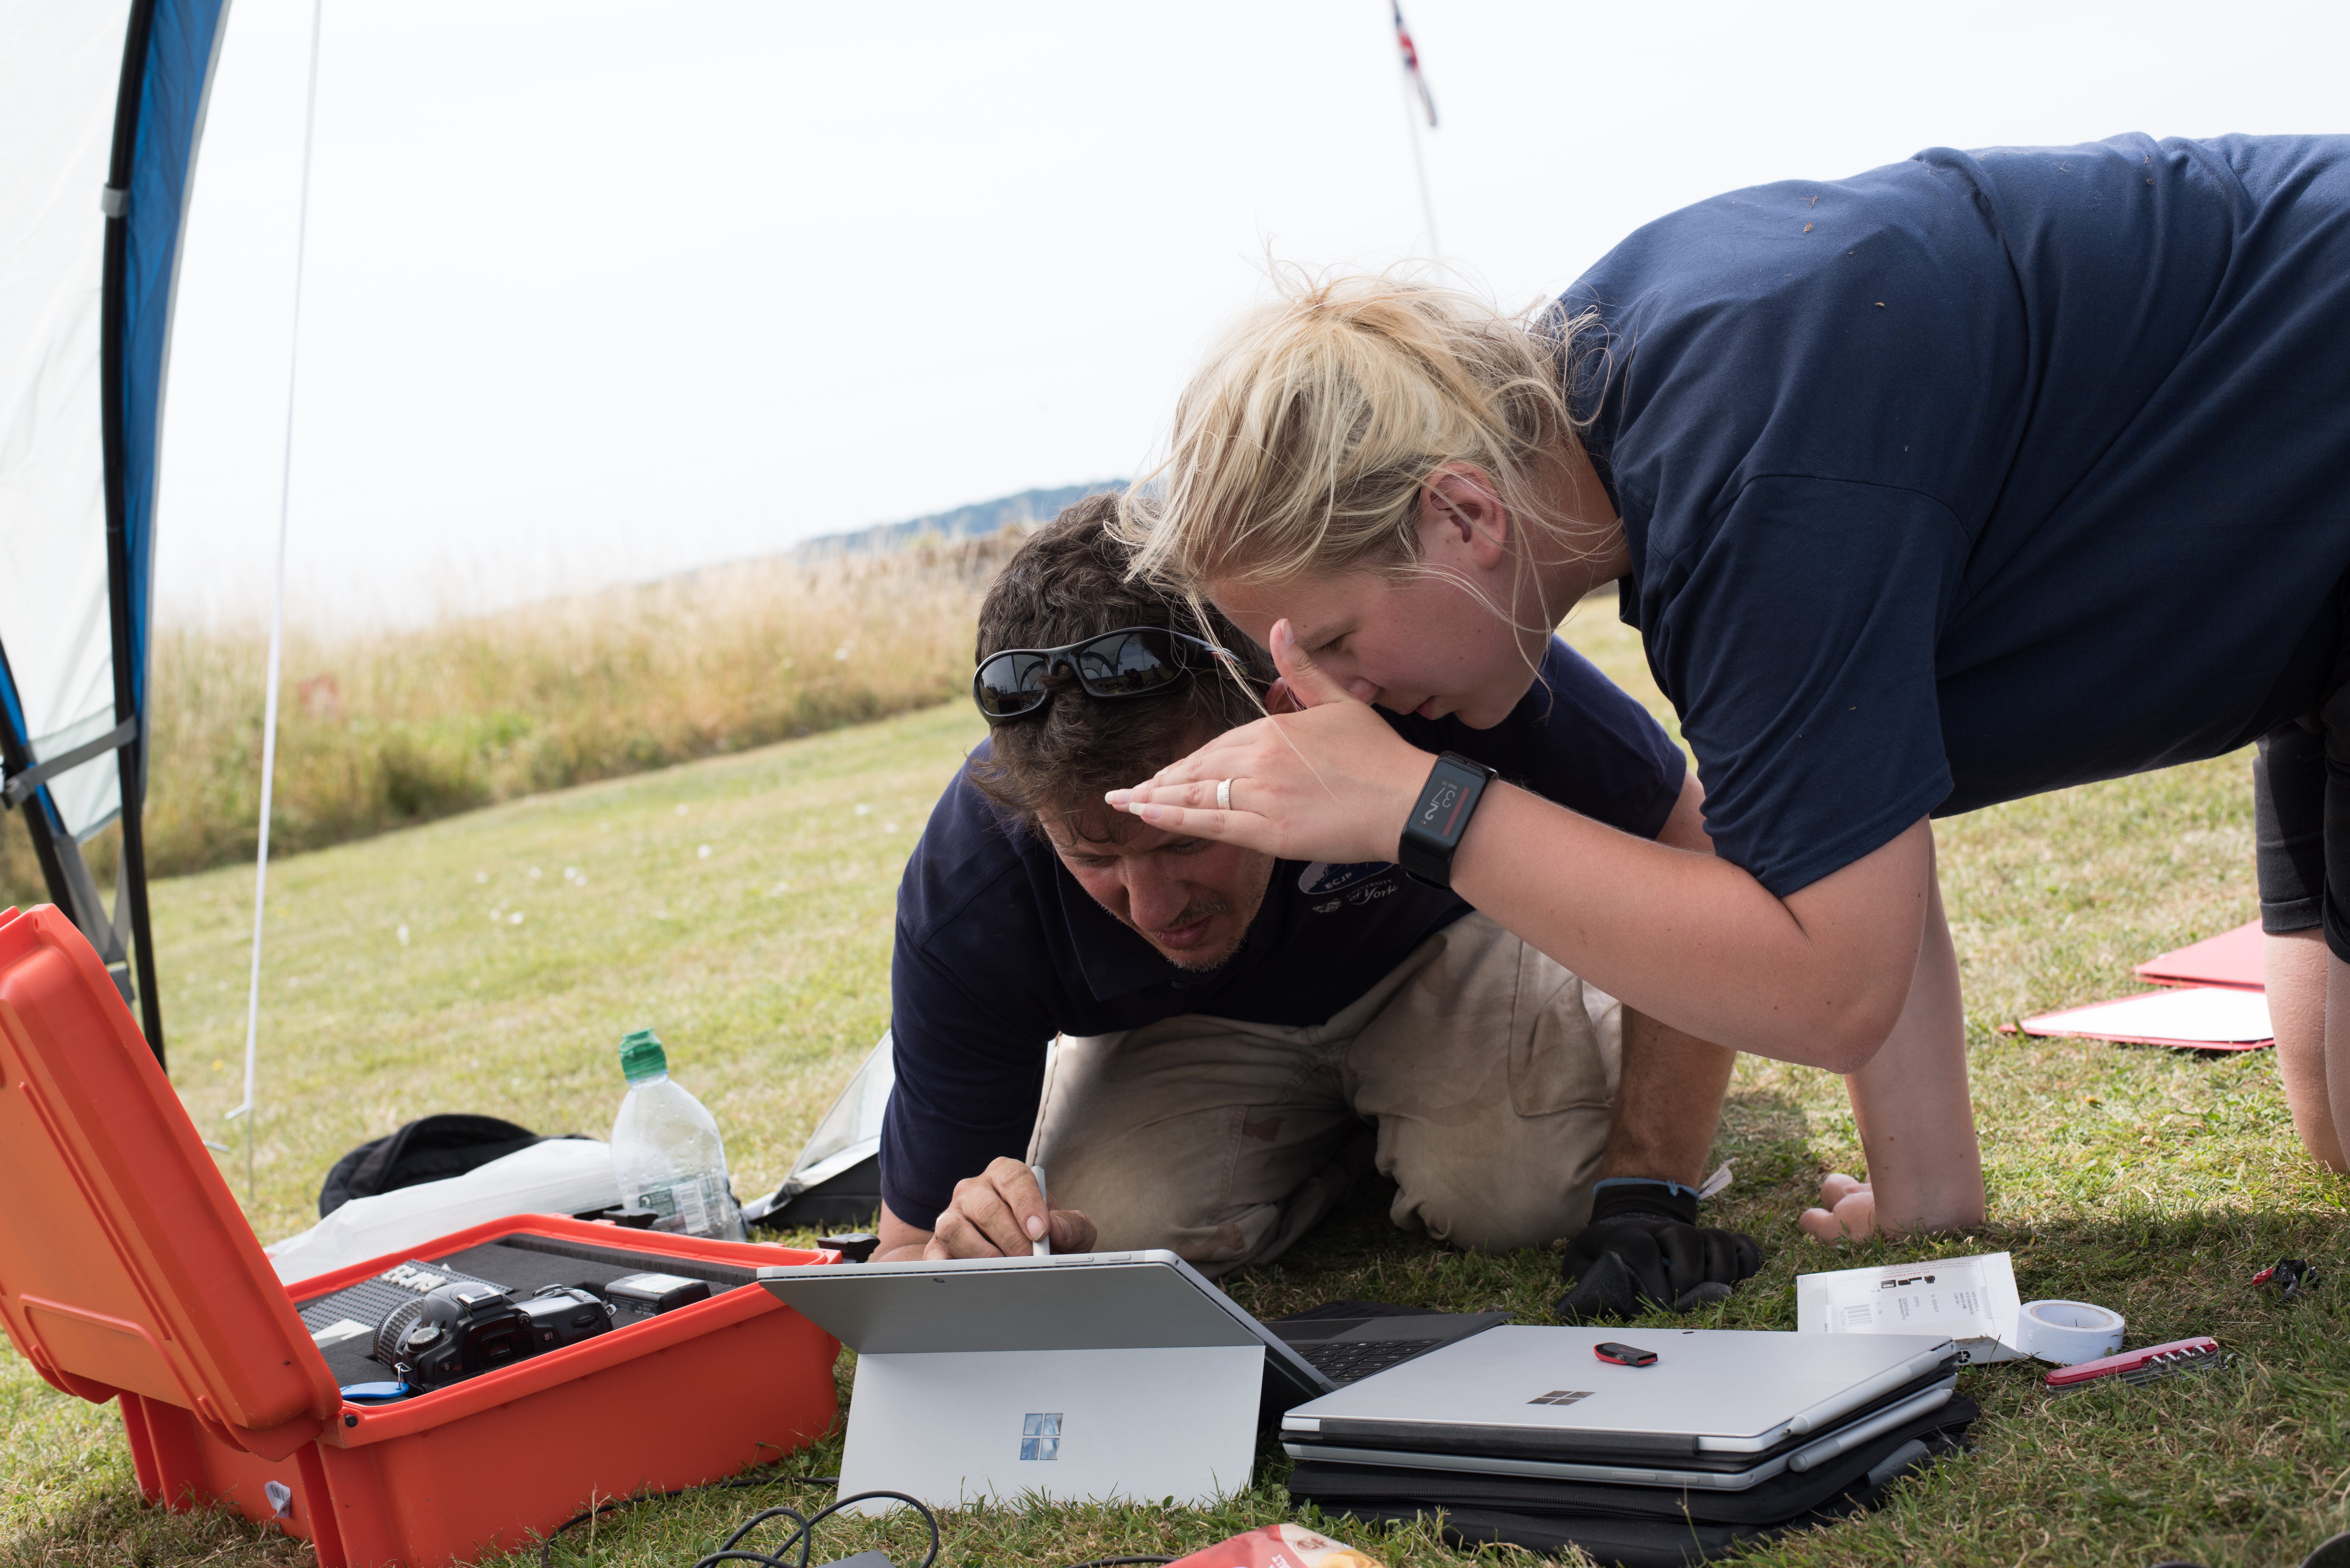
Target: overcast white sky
597, 290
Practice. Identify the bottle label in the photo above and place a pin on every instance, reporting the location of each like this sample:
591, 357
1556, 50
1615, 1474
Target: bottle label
692, 1207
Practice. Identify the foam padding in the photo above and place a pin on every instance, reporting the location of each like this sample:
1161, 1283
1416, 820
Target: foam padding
524, 1264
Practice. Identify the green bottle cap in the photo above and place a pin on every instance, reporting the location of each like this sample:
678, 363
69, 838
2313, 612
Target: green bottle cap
642, 1056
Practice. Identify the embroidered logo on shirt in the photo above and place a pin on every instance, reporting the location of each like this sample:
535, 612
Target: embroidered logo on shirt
1322, 879
1368, 893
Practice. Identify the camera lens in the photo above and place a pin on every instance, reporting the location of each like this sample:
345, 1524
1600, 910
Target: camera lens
454, 1333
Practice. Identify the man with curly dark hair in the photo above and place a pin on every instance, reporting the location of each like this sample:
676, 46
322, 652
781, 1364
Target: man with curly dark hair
1205, 1046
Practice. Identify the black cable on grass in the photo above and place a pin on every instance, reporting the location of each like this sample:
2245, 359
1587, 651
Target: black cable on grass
804, 1535
620, 1504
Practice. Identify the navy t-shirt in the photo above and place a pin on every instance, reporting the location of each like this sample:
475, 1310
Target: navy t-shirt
1979, 475
999, 949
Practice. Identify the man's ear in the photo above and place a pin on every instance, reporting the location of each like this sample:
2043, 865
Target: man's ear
1462, 521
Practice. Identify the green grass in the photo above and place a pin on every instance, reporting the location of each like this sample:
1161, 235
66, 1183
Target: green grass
383, 728
2153, 1182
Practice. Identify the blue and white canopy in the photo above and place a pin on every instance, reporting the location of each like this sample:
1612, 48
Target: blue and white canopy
100, 108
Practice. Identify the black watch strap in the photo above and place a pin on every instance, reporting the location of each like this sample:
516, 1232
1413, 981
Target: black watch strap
1439, 818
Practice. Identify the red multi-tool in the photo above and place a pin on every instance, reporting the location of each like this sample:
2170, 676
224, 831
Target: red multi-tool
2197, 1355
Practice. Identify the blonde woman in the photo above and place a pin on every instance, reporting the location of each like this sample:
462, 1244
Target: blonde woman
1964, 479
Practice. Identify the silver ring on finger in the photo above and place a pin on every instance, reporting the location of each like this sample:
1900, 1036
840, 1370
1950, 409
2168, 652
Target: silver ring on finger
1223, 794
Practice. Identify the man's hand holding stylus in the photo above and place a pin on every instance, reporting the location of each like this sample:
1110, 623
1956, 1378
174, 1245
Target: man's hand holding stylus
1002, 1213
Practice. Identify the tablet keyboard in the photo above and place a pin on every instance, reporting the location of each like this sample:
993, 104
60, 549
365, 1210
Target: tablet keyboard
1350, 1361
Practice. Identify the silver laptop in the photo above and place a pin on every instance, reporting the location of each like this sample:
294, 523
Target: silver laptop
1720, 1409
1076, 1376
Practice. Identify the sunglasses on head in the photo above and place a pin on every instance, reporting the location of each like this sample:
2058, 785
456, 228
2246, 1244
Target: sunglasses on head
1132, 661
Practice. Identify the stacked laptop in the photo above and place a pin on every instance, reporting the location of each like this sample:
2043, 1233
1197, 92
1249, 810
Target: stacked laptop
1640, 1446
1109, 1376
1079, 1377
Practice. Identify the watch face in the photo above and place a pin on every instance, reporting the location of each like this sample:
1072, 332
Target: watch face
1448, 790
1439, 818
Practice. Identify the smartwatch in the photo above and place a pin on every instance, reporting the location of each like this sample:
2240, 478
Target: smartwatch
1439, 818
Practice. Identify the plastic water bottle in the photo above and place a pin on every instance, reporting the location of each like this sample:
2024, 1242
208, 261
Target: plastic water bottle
666, 1151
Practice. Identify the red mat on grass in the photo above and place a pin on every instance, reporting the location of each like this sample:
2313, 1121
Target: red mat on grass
2195, 1017
2231, 959
2216, 1000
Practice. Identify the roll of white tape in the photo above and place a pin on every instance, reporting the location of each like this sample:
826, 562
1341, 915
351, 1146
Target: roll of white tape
2067, 1332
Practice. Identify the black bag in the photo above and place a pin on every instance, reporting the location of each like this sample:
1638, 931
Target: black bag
1635, 1526
430, 1148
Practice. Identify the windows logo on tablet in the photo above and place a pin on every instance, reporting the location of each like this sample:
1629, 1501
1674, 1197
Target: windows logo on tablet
1040, 1435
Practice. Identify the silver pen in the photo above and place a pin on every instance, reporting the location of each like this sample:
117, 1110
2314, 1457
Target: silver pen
1043, 1246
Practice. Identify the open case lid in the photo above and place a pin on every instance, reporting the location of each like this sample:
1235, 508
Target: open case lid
125, 1264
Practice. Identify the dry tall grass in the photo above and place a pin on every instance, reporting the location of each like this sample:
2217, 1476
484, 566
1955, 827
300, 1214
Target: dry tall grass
380, 730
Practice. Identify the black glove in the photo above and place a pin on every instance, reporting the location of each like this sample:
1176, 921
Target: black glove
1644, 1248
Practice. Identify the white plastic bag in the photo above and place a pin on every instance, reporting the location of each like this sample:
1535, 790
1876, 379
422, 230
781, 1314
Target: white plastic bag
561, 1176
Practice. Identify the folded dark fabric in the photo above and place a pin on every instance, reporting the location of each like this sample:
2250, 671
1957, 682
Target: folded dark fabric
430, 1148
1635, 1526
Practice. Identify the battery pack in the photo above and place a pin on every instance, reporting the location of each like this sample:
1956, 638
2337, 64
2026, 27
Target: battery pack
636, 1296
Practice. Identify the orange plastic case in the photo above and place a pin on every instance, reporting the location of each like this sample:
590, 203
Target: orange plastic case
128, 1270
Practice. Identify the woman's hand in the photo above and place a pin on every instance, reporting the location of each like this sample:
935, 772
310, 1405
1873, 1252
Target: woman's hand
1330, 781
1849, 1211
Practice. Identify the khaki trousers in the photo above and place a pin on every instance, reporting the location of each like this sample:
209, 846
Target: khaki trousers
1487, 1069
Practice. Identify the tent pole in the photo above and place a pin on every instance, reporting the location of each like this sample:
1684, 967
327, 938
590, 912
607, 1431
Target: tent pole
132, 762
1416, 99
1420, 171
278, 607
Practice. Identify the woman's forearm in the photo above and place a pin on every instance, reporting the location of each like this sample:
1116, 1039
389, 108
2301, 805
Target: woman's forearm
1693, 941
1819, 977
1916, 1120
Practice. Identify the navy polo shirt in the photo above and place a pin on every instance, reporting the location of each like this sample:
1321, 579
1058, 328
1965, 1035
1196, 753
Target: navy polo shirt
1979, 475
999, 949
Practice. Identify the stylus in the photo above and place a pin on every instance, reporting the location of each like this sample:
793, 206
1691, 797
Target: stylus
1877, 1426
1041, 1247
1827, 1410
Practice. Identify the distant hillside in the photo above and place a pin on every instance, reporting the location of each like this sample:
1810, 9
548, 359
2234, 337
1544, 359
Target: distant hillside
975, 521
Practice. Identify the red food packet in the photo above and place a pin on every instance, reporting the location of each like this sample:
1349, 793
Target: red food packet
1278, 1546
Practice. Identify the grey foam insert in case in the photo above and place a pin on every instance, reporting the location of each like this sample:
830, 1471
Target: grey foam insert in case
524, 1265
